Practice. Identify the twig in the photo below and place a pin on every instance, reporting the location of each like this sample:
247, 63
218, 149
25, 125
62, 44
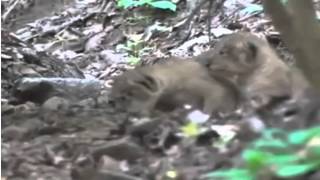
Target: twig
216, 6
10, 9
189, 20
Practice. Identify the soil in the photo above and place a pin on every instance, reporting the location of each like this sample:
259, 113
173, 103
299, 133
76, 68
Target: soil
58, 126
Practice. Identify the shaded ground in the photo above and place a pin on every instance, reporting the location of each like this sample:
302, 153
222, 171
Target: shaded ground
76, 134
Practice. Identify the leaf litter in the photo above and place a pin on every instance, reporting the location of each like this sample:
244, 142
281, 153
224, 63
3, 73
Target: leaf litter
57, 64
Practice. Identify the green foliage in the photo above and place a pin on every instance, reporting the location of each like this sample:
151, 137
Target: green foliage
295, 169
133, 60
252, 9
164, 4
300, 137
135, 47
232, 174
191, 129
277, 154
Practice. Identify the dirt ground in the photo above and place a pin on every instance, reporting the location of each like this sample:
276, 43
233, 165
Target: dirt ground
65, 128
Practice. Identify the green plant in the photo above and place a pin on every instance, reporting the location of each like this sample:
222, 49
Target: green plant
164, 4
277, 154
191, 129
135, 48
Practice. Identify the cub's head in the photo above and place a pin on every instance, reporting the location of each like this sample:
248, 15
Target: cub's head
235, 54
134, 91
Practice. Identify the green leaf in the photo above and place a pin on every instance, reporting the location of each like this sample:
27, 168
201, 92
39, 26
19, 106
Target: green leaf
270, 133
125, 3
164, 5
232, 174
251, 9
142, 2
255, 159
191, 129
295, 170
133, 60
302, 136
283, 159
275, 143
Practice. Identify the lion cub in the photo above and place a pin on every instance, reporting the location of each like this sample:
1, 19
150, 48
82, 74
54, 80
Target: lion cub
171, 84
254, 67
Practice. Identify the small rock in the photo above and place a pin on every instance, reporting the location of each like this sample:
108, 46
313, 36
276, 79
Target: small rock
55, 103
103, 100
106, 162
14, 133
144, 127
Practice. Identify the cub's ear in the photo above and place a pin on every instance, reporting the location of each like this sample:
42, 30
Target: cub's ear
148, 82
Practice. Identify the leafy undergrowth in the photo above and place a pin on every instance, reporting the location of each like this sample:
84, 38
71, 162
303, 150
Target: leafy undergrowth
277, 154
152, 3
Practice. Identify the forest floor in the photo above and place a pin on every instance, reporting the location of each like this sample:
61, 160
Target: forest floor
75, 133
